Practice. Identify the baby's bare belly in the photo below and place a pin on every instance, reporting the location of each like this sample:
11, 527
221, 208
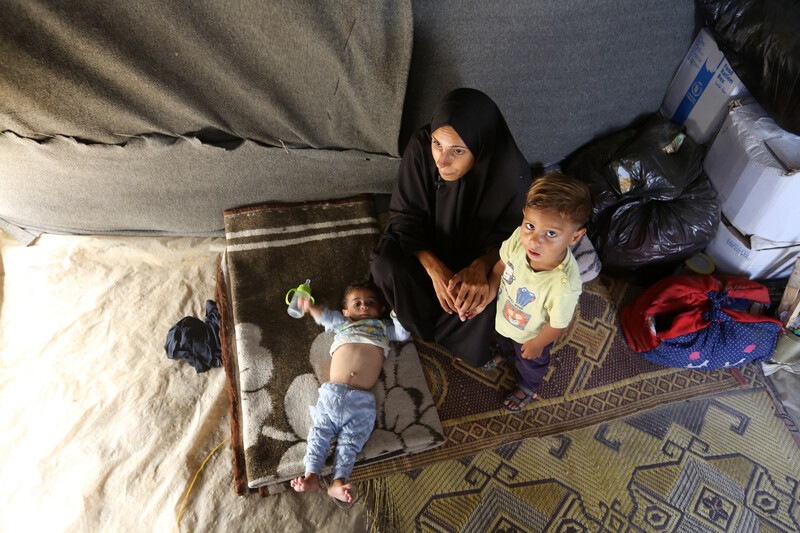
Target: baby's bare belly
357, 365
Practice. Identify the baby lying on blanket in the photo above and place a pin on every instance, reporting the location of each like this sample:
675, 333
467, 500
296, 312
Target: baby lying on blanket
346, 409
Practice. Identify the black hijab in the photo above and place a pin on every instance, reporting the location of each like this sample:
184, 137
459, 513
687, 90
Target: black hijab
459, 220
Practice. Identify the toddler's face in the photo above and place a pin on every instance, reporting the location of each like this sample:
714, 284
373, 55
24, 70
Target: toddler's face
362, 304
545, 236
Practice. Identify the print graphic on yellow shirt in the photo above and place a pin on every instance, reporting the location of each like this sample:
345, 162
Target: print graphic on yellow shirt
515, 316
513, 311
527, 299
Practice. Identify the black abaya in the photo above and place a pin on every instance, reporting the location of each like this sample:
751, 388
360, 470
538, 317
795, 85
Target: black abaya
458, 221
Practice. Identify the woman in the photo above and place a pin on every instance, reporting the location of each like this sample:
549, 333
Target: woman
459, 193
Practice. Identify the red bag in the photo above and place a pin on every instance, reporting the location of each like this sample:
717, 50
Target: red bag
699, 321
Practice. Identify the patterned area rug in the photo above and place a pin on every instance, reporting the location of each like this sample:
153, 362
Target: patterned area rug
594, 377
275, 363
722, 463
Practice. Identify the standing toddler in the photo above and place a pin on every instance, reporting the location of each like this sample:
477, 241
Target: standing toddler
538, 280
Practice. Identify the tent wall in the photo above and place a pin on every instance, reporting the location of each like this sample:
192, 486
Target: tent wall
153, 118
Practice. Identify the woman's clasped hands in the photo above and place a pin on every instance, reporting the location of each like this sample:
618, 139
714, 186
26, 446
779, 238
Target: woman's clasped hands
465, 293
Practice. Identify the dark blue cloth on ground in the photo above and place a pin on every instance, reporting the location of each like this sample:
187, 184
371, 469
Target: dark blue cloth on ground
196, 341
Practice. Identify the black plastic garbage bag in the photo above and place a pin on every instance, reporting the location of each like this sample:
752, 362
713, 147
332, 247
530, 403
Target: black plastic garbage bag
640, 161
641, 232
657, 163
761, 41
651, 202
588, 165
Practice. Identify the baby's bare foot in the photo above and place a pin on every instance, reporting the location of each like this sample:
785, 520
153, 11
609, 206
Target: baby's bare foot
306, 484
341, 491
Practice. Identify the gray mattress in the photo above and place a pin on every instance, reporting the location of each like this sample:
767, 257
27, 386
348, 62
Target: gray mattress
152, 118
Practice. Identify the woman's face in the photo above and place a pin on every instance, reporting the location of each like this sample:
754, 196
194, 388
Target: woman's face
452, 157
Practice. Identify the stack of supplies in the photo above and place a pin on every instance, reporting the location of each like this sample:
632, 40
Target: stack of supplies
754, 165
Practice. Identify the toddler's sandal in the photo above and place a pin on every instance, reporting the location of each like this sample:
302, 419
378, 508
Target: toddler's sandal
517, 404
491, 364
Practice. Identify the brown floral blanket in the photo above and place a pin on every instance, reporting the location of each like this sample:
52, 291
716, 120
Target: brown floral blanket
275, 363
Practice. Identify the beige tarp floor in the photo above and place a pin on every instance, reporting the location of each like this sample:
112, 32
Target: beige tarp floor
100, 431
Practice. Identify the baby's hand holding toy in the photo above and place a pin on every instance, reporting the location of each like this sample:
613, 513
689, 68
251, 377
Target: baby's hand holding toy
302, 292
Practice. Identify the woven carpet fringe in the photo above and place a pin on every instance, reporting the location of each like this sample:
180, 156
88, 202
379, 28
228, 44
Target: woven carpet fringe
381, 514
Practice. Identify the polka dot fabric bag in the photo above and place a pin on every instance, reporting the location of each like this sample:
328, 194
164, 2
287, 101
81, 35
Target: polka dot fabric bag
699, 321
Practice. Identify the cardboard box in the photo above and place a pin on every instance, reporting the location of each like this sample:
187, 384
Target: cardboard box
759, 194
751, 257
701, 89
